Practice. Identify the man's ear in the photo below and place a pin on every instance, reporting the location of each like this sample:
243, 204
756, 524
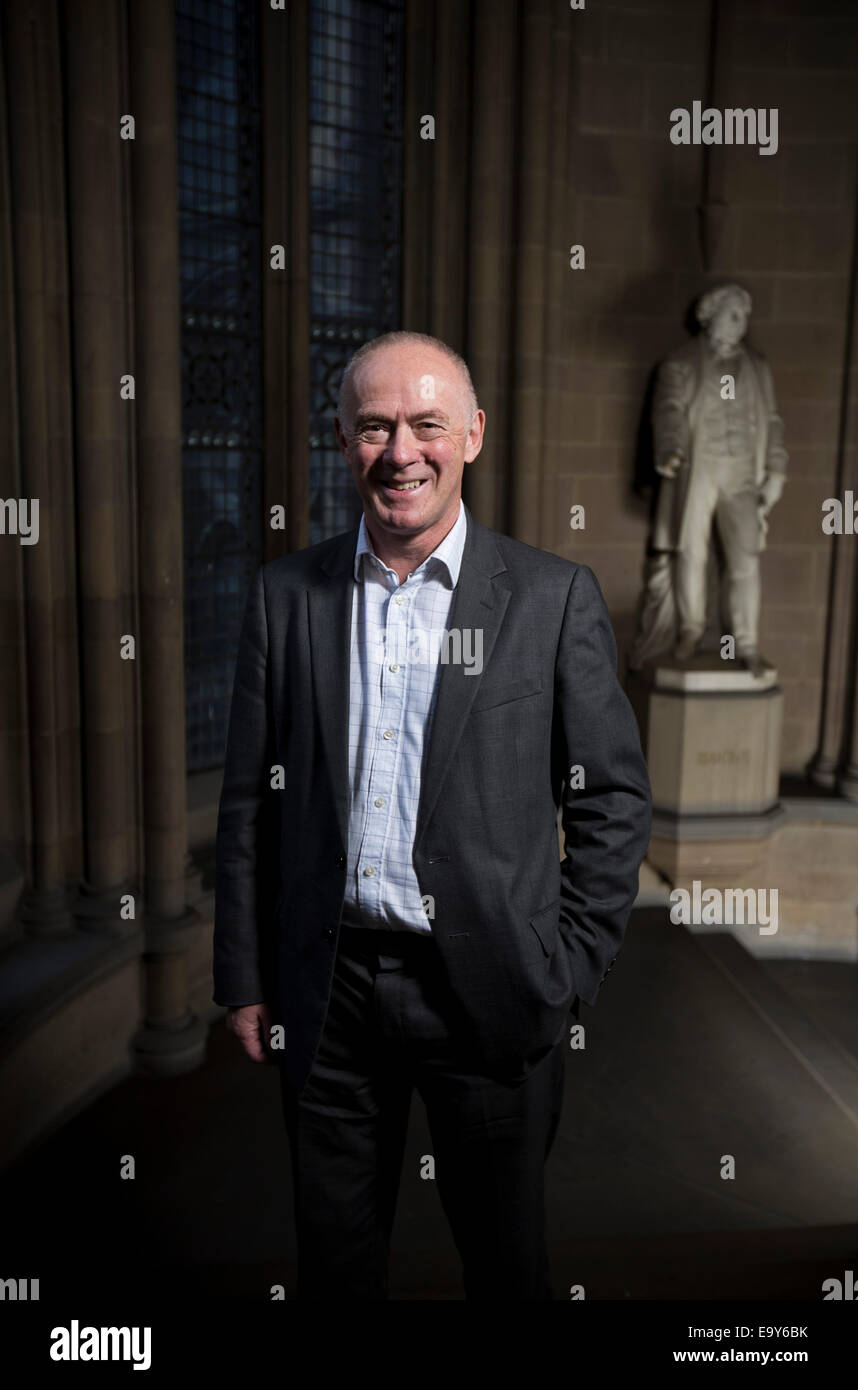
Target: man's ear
341, 438
475, 436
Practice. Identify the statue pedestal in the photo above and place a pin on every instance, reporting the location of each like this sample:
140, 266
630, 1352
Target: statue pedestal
711, 734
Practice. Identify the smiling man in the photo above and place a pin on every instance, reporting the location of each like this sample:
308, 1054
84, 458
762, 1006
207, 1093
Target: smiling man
389, 888
407, 433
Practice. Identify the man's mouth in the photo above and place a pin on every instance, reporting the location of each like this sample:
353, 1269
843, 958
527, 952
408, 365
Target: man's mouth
403, 487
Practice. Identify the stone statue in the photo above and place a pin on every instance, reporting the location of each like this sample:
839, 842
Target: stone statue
718, 446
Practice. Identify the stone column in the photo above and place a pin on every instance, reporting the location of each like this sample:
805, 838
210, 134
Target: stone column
41, 328
834, 716
450, 192
284, 53
532, 238
490, 277
840, 677
435, 171
418, 165
846, 552
712, 211
848, 782
103, 426
556, 383
171, 1039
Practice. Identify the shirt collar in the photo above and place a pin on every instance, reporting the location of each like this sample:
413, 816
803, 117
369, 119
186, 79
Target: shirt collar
449, 552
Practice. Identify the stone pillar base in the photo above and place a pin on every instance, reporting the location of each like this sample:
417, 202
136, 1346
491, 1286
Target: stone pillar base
711, 732
46, 912
172, 1049
848, 783
723, 850
171, 1039
711, 735
822, 772
97, 910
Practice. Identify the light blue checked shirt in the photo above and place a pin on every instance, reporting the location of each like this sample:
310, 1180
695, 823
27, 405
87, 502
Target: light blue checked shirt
393, 682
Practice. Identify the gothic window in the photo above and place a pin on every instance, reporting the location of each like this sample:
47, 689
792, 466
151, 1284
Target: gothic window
219, 203
355, 218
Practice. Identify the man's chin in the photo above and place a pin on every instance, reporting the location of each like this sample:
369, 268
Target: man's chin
400, 520
406, 515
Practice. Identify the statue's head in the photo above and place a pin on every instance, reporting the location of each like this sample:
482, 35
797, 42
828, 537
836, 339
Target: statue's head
723, 314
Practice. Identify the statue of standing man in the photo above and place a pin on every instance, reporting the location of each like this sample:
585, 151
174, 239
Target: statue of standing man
718, 445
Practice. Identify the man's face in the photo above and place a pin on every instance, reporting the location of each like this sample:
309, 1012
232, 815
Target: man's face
406, 422
726, 328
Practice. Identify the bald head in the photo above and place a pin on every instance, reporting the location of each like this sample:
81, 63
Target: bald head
418, 348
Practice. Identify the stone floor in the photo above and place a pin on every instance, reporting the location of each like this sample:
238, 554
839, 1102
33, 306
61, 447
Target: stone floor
695, 1051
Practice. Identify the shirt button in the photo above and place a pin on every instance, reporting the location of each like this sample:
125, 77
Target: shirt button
398, 598
379, 801
388, 734
395, 666
369, 871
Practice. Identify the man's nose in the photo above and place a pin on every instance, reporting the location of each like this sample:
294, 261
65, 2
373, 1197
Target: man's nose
400, 445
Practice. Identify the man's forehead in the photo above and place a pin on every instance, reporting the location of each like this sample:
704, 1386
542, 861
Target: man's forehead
386, 374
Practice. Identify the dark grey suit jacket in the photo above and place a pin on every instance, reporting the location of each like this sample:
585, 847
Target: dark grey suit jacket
523, 935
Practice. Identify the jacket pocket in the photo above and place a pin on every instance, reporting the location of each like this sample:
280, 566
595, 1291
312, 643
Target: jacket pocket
545, 923
496, 695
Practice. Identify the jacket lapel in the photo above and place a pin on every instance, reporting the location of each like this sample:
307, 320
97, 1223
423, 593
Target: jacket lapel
329, 604
479, 603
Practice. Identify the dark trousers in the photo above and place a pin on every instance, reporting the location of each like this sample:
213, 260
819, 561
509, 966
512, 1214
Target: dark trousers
394, 1024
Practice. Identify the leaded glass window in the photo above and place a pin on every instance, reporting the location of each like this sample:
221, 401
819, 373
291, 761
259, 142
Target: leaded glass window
219, 203
355, 218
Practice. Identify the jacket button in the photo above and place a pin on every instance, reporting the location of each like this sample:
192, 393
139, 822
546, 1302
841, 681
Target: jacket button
341, 861
329, 933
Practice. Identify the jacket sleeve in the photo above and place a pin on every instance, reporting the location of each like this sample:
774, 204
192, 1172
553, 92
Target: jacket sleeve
607, 820
247, 869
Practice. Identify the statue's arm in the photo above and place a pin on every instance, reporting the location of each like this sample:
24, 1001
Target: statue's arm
776, 455
670, 424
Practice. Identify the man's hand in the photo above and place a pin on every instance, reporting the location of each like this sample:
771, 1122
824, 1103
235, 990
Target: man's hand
670, 466
770, 492
251, 1024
